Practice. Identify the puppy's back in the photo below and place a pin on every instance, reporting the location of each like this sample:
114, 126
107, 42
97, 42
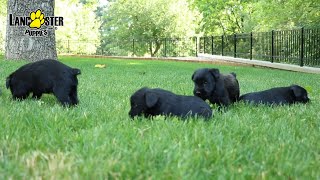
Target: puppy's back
181, 105
200, 107
191, 106
279, 95
232, 85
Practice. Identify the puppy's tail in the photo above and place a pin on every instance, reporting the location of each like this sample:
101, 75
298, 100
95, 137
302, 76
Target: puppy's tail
8, 82
234, 74
76, 71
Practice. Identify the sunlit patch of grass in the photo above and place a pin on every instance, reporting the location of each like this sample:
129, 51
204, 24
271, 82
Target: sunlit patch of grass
134, 63
40, 139
49, 165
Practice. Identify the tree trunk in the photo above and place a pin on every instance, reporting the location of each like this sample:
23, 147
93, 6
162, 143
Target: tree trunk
158, 44
150, 48
30, 43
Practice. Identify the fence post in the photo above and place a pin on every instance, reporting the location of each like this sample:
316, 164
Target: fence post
102, 52
272, 46
68, 46
222, 44
150, 47
204, 45
251, 45
302, 47
212, 45
235, 45
165, 47
196, 39
133, 50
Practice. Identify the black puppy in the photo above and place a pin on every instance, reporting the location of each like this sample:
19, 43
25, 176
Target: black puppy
277, 96
151, 102
45, 76
217, 88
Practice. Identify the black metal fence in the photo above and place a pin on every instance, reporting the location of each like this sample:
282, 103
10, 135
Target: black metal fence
300, 47
165, 47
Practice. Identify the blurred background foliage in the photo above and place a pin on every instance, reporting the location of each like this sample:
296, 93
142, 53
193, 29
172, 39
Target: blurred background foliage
99, 25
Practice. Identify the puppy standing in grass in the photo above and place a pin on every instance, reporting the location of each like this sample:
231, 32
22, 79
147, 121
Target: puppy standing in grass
152, 102
45, 76
216, 87
277, 96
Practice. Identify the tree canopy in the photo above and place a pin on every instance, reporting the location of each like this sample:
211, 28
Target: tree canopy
241, 16
81, 26
148, 20
3, 22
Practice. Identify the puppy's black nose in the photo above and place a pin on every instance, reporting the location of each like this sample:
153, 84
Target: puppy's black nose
198, 93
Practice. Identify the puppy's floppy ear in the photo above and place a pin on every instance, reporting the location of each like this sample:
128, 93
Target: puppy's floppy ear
151, 99
76, 71
297, 90
8, 82
192, 76
215, 73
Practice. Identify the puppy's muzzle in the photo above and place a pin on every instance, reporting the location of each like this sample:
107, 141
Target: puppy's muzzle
198, 93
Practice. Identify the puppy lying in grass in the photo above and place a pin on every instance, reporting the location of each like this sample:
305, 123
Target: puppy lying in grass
45, 76
152, 102
277, 96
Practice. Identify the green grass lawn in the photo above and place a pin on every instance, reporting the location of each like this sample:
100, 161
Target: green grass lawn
97, 140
